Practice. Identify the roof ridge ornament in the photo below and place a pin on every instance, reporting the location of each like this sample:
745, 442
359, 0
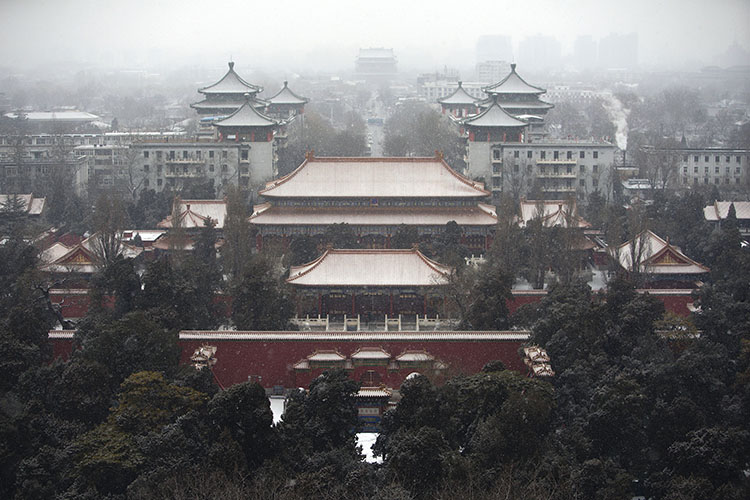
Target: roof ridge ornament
231, 65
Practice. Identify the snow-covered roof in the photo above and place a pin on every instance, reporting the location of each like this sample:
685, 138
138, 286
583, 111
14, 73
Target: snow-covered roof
479, 215
657, 256
27, 203
513, 84
459, 97
231, 83
415, 357
326, 356
370, 353
286, 96
194, 213
366, 177
370, 267
720, 210
210, 335
493, 116
373, 392
61, 116
147, 235
554, 213
246, 116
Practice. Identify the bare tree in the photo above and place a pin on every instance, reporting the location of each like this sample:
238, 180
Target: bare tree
109, 220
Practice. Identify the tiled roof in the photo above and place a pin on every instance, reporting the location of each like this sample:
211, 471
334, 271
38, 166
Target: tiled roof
194, 213
720, 210
658, 256
246, 116
367, 177
376, 267
513, 84
286, 96
459, 96
231, 83
493, 116
555, 213
480, 215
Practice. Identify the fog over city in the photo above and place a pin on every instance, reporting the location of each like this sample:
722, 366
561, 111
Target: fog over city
325, 35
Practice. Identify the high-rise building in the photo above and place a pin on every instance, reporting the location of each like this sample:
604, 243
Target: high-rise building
619, 51
494, 48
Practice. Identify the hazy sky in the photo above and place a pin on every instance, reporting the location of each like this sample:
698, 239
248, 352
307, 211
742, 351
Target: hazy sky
326, 33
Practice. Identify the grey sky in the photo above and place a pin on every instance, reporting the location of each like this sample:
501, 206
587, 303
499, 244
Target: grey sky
324, 33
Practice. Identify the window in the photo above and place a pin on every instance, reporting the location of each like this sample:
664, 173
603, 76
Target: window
726, 171
145, 168
716, 180
582, 183
211, 167
705, 158
515, 168
569, 169
695, 158
736, 170
528, 154
158, 170
495, 154
145, 154
705, 180
211, 154
695, 169
684, 169
496, 169
199, 154
497, 181
596, 154
171, 155
543, 155
556, 155
184, 155
556, 169
728, 158
716, 169
717, 159
569, 155
705, 170
685, 158
244, 154
583, 169
224, 154
594, 182
516, 154
739, 159
158, 155
224, 168
159, 182
582, 154
595, 168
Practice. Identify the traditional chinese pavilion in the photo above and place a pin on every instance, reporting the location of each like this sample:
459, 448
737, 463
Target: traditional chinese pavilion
194, 214
663, 264
554, 213
370, 283
460, 103
225, 96
520, 99
494, 124
374, 196
246, 124
285, 103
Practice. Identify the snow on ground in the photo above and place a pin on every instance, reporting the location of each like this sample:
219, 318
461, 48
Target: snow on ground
277, 407
366, 440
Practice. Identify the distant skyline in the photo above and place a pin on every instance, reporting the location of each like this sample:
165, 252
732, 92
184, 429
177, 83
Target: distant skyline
303, 36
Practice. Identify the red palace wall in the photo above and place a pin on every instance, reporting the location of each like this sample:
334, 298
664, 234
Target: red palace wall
270, 362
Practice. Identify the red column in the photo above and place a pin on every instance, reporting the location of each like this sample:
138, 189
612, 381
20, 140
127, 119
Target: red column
390, 310
424, 306
320, 304
388, 241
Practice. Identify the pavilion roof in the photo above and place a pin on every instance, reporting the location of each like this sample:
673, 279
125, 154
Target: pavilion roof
554, 213
479, 215
26, 203
511, 105
194, 214
370, 267
719, 210
370, 353
79, 258
658, 256
513, 84
231, 83
459, 96
493, 116
286, 96
410, 177
246, 116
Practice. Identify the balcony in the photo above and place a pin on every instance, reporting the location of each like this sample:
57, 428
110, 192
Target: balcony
183, 175
559, 189
558, 175
190, 160
556, 162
